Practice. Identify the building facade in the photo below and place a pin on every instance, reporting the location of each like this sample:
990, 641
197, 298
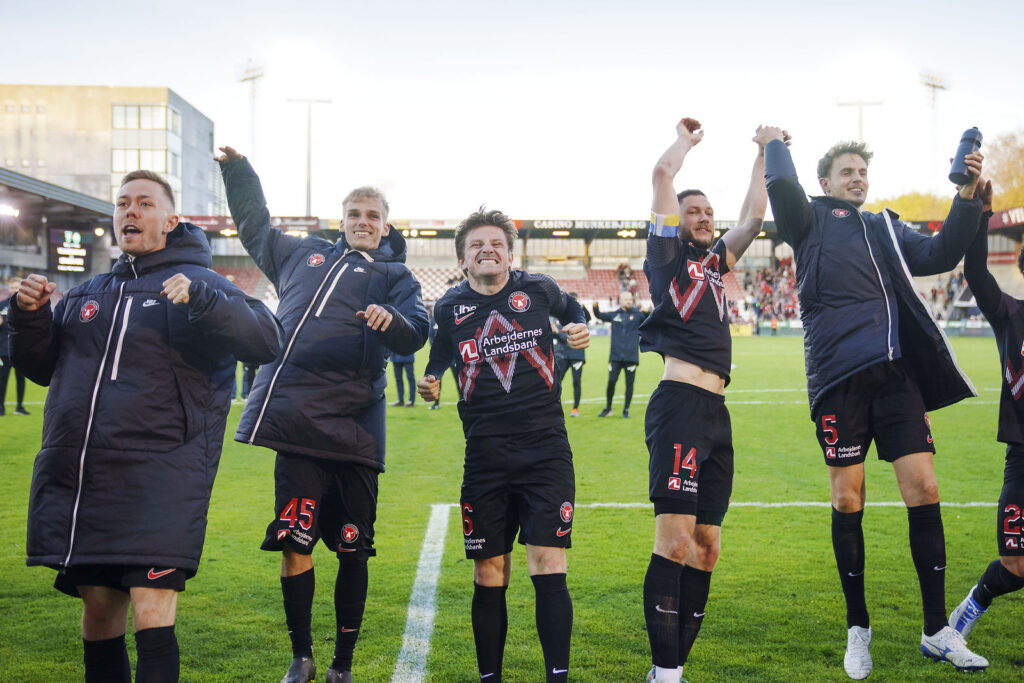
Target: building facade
85, 138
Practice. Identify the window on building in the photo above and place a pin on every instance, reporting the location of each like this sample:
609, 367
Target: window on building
118, 116
146, 118
131, 116
25, 109
41, 109
159, 116
153, 160
175, 123
131, 159
25, 163
173, 164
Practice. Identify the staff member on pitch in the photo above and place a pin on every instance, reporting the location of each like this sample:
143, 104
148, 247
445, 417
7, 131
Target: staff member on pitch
625, 351
140, 364
320, 404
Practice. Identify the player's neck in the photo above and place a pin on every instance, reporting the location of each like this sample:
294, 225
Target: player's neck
488, 285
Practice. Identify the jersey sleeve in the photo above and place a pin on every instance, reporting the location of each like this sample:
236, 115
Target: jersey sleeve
987, 293
723, 263
561, 305
662, 239
442, 355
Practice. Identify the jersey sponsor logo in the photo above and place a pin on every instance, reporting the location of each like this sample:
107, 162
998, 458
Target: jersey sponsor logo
468, 351
149, 302
708, 271
519, 301
565, 511
153, 574
674, 483
349, 533
89, 310
281, 534
840, 213
500, 342
463, 311
830, 452
315, 260
1012, 544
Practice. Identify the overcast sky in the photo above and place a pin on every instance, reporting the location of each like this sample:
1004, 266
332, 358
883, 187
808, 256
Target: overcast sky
553, 109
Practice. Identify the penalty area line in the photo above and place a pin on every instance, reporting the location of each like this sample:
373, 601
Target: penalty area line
411, 666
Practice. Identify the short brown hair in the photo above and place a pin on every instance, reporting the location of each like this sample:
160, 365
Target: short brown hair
480, 218
688, 193
838, 150
150, 175
367, 192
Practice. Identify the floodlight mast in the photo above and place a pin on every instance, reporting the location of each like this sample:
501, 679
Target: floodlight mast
252, 72
309, 102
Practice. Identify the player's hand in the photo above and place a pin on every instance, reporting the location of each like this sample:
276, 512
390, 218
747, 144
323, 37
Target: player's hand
35, 292
429, 388
766, 134
578, 335
690, 130
176, 289
376, 317
230, 154
984, 192
973, 162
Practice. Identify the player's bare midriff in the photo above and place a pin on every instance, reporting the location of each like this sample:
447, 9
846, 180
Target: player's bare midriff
681, 371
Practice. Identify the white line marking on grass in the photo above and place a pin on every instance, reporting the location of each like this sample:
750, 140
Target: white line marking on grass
419, 624
792, 504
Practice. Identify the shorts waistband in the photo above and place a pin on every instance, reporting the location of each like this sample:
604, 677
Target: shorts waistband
673, 385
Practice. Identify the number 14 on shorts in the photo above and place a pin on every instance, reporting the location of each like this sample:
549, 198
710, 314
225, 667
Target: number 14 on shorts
689, 463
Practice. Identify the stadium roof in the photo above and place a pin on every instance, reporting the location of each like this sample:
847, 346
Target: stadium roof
35, 198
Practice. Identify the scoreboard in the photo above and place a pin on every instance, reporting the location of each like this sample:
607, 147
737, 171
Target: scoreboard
70, 251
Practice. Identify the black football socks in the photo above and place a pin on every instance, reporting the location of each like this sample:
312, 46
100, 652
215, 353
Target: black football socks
848, 546
298, 606
997, 580
106, 661
694, 586
349, 603
554, 623
661, 610
490, 625
158, 658
928, 550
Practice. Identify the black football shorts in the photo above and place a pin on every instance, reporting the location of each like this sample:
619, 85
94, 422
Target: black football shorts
1010, 519
122, 577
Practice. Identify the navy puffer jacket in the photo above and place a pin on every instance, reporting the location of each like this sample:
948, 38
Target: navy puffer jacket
331, 369
140, 390
858, 302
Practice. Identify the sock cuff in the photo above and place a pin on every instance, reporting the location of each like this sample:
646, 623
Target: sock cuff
549, 583
149, 637
665, 563
924, 512
850, 518
298, 579
1011, 579
106, 642
694, 573
489, 592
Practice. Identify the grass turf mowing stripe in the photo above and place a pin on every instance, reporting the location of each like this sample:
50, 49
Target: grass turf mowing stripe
419, 624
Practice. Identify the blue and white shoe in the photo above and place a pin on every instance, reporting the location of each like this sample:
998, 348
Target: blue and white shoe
857, 660
966, 615
948, 646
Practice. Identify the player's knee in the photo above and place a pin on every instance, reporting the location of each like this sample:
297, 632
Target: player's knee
293, 562
847, 501
675, 547
1014, 564
489, 571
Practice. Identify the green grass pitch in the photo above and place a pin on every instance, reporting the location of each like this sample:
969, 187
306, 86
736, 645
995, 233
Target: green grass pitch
775, 612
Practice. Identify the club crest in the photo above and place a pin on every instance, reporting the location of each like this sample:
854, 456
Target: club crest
89, 310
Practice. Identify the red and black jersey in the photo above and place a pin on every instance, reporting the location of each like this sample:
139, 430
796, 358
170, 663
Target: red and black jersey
690, 320
501, 345
1006, 316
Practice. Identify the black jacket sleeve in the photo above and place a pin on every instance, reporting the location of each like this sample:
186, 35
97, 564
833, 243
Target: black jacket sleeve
984, 287
940, 254
35, 339
409, 326
235, 322
790, 206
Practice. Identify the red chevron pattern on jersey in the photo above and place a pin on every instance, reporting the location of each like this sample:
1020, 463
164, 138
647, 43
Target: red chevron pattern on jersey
502, 365
701, 273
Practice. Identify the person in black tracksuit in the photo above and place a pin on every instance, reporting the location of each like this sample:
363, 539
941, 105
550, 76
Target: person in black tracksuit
140, 364
5, 356
1006, 315
568, 358
518, 475
876, 363
625, 351
403, 369
344, 307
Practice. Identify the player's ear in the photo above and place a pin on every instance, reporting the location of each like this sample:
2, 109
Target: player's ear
824, 185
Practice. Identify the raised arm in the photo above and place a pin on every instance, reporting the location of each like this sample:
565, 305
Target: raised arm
662, 240
755, 203
267, 246
34, 331
986, 291
790, 206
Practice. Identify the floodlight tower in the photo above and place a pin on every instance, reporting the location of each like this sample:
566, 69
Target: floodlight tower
309, 142
251, 73
860, 104
933, 83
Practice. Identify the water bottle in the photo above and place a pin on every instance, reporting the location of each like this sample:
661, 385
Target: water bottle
969, 142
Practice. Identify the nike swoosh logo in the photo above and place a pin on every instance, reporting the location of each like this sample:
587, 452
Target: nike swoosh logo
861, 572
483, 676
346, 550
154, 575
559, 671
657, 608
151, 302
562, 532
939, 569
348, 630
459, 319
698, 616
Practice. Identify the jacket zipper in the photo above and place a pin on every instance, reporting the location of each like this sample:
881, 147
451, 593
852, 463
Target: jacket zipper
120, 339
288, 350
323, 302
88, 426
885, 294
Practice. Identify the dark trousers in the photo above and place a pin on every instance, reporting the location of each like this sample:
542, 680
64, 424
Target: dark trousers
19, 380
410, 375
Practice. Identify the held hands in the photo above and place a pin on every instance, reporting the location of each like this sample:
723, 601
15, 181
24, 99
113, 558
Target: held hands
766, 134
578, 335
176, 289
230, 154
690, 131
35, 292
973, 162
429, 388
376, 317
984, 192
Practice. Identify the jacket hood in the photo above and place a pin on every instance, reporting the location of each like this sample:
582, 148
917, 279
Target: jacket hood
391, 249
185, 244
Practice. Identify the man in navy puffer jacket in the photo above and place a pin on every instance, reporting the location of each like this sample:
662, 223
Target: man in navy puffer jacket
876, 362
140, 364
320, 404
